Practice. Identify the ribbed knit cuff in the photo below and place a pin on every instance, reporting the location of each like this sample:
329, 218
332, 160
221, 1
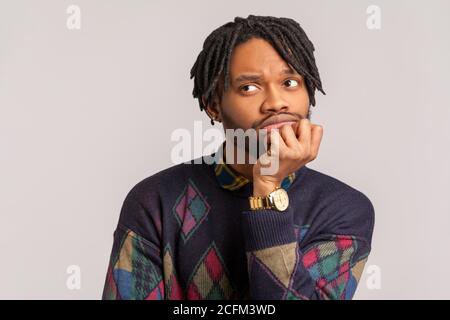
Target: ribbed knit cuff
267, 228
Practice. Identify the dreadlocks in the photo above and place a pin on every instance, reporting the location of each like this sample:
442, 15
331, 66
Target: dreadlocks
211, 69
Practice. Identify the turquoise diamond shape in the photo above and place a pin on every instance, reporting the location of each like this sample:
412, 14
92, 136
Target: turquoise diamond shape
197, 207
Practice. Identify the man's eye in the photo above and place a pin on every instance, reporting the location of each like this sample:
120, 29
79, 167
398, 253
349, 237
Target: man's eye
291, 83
248, 88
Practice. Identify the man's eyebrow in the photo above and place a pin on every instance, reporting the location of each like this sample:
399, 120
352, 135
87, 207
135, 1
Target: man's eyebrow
288, 71
256, 77
248, 77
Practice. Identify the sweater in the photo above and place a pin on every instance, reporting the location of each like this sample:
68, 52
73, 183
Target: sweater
187, 233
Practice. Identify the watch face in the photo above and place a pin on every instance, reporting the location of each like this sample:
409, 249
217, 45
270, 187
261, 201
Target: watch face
280, 199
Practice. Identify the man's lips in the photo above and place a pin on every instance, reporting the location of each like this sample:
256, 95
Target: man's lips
276, 122
278, 125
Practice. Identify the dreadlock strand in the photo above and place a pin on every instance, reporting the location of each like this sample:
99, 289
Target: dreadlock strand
228, 57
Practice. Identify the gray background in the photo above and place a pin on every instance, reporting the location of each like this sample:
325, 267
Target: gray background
86, 114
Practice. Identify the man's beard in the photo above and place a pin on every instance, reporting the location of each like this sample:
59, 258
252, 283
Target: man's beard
248, 146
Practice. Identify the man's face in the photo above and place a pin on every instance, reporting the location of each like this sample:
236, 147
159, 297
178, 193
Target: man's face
262, 85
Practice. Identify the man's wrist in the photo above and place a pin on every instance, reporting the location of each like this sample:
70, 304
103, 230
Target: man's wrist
263, 188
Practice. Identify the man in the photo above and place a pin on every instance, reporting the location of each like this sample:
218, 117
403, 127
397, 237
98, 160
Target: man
226, 230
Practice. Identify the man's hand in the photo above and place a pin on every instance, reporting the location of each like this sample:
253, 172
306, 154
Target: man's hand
293, 146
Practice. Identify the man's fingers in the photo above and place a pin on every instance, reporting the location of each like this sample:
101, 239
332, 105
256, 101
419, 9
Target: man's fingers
316, 138
304, 133
288, 135
277, 144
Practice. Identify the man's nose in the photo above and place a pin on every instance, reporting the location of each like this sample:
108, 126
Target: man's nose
274, 101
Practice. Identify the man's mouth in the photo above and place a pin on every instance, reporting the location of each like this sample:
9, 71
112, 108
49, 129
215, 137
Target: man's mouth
277, 125
277, 121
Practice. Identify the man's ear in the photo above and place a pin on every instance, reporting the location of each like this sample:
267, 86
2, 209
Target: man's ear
212, 109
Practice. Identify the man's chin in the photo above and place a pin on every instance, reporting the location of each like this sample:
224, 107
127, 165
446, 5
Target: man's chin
254, 150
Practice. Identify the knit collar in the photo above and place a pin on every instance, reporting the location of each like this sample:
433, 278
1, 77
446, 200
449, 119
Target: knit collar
232, 180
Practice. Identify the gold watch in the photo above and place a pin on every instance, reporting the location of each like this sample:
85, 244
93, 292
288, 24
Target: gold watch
277, 199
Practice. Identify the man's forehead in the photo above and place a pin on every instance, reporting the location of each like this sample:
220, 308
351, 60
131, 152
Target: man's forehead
257, 57
253, 73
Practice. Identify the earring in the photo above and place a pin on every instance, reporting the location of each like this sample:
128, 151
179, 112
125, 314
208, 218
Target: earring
212, 120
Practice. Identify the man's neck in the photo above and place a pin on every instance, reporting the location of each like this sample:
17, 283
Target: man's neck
245, 170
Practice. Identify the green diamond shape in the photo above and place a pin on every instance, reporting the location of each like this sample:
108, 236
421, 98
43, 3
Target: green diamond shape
330, 263
215, 293
197, 207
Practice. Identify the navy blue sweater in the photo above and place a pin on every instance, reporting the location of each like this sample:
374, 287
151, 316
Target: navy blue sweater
187, 233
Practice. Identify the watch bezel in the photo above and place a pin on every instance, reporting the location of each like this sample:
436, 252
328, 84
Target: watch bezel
275, 203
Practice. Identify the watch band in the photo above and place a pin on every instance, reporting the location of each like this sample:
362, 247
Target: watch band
262, 202
258, 203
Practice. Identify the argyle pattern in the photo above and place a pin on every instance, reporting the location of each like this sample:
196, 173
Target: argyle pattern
331, 266
133, 275
186, 233
210, 279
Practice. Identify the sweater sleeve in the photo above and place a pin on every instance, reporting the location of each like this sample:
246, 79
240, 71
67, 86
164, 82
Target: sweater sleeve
327, 265
135, 269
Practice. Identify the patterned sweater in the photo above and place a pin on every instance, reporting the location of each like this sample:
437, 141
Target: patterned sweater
187, 233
